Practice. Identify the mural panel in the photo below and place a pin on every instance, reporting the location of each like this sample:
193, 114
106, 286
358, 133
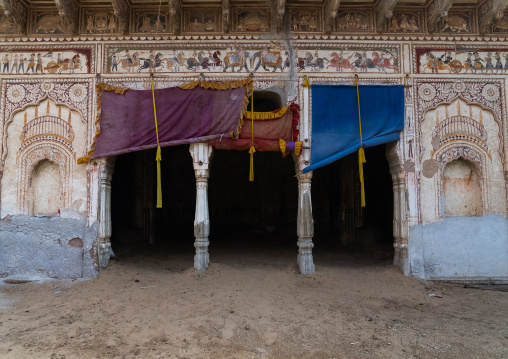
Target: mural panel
459, 22
202, 20
305, 19
407, 21
252, 58
98, 21
149, 21
255, 19
47, 22
358, 20
59, 59
461, 59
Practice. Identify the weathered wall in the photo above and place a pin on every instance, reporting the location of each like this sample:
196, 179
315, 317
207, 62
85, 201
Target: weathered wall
47, 247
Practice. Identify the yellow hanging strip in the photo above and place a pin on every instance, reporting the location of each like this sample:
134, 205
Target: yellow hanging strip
361, 152
252, 149
158, 156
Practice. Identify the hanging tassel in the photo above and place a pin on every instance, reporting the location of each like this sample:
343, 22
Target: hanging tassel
361, 161
251, 174
158, 158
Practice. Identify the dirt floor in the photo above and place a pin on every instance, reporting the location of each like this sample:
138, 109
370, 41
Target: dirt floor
251, 303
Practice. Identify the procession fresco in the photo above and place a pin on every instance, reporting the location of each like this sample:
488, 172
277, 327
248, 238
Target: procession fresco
202, 19
98, 21
36, 60
465, 60
149, 21
355, 21
238, 58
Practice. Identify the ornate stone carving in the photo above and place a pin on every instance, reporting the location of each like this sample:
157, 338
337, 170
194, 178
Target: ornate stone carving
492, 11
175, 10
384, 12
438, 9
121, 11
106, 169
69, 11
16, 15
331, 8
201, 157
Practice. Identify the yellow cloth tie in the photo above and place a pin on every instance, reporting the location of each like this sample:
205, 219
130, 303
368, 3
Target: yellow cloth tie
252, 149
158, 156
361, 152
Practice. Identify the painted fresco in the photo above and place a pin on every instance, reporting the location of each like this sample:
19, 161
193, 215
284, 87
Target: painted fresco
98, 21
251, 19
7, 25
149, 21
47, 23
245, 58
354, 21
466, 60
305, 20
461, 22
501, 25
36, 60
202, 20
406, 21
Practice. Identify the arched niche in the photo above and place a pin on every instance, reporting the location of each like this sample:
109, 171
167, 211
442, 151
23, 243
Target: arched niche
45, 189
462, 193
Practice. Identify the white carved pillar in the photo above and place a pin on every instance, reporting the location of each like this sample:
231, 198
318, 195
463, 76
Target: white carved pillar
305, 225
106, 170
400, 221
201, 156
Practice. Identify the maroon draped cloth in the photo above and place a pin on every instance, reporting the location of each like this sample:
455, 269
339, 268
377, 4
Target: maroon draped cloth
183, 116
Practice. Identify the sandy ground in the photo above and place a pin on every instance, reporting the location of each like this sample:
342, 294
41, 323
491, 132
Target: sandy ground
251, 303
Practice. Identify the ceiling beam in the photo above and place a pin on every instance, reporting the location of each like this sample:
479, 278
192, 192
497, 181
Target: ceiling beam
490, 11
17, 12
226, 16
121, 10
384, 12
331, 8
438, 10
175, 9
69, 12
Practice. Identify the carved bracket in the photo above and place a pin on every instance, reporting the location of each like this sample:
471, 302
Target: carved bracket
331, 8
17, 13
121, 10
175, 9
438, 10
384, 11
69, 12
491, 10
226, 15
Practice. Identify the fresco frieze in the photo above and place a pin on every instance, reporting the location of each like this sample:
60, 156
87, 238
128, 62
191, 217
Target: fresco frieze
462, 60
354, 21
246, 58
98, 21
149, 21
37, 60
251, 19
407, 21
305, 19
202, 20
459, 22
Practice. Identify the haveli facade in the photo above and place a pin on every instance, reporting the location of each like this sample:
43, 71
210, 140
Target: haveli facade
448, 169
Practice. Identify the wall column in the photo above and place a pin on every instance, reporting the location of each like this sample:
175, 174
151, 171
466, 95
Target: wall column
106, 170
305, 225
400, 222
201, 157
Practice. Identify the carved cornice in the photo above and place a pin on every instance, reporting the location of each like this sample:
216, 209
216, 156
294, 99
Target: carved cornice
69, 12
175, 10
331, 8
490, 12
438, 10
121, 9
16, 11
384, 11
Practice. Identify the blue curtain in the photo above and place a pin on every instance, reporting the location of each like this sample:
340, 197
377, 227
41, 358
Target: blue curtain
335, 127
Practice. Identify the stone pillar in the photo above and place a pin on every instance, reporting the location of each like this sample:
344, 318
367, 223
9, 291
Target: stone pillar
400, 221
305, 225
201, 156
106, 170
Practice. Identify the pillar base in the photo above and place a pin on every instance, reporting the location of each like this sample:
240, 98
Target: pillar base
201, 258
305, 259
104, 252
